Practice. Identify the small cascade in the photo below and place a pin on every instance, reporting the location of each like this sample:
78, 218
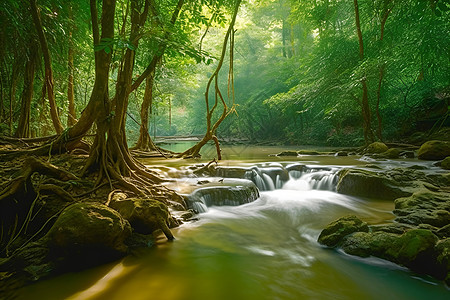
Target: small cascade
321, 180
277, 176
268, 178
232, 193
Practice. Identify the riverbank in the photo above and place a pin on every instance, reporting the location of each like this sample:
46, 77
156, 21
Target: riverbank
134, 220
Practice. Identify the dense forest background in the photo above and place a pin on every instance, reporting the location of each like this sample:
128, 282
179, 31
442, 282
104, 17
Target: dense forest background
326, 72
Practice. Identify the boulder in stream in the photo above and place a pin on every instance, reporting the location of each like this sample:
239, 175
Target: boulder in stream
434, 150
369, 184
144, 215
86, 228
337, 230
418, 249
445, 164
376, 147
231, 192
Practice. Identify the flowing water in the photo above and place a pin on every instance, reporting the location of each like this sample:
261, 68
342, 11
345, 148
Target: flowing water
262, 249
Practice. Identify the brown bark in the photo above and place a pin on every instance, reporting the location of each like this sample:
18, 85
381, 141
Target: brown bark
48, 67
12, 90
368, 135
23, 127
379, 132
145, 142
162, 47
71, 114
210, 128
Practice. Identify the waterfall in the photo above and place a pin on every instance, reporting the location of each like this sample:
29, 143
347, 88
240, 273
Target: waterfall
272, 178
234, 191
231, 192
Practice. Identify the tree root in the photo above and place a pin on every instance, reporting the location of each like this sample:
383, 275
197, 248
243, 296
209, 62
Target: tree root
18, 197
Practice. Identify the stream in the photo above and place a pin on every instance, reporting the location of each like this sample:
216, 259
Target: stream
264, 248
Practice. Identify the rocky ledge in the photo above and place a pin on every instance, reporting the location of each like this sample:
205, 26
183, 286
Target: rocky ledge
419, 237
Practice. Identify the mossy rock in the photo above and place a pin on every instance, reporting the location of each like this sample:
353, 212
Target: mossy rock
443, 258
333, 234
415, 247
288, 153
144, 215
366, 244
376, 148
434, 150
392, 153
87, 234
363, 183
309, 152
445, 164
422, 198
342, 153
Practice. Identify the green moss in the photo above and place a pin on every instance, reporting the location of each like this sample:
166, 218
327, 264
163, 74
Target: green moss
413, 243
334, 233
434, 150
376, 147
445, 164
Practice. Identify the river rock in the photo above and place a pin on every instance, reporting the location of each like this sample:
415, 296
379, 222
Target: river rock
309, 152
333, 234
341, 153
434, 150
230, 172
84, 227
414, 249
424, 207
443, 258
288, 153
231, 192
445, 164
363, 183
376, 147
391, 153
144, 215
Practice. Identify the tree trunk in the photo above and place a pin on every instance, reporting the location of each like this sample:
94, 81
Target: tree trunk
145, 142
71, 114
387, 11
48, 67
210, 128
23, 128
368, 134
12, 90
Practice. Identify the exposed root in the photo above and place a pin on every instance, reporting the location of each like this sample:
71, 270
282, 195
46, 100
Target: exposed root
18, 197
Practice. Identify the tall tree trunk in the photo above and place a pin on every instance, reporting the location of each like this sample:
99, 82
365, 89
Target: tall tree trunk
145, 142
161, 48
283, 37
368, 134
48, 67
382, 69
71, 114
23, 128
13, 88
210, 127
